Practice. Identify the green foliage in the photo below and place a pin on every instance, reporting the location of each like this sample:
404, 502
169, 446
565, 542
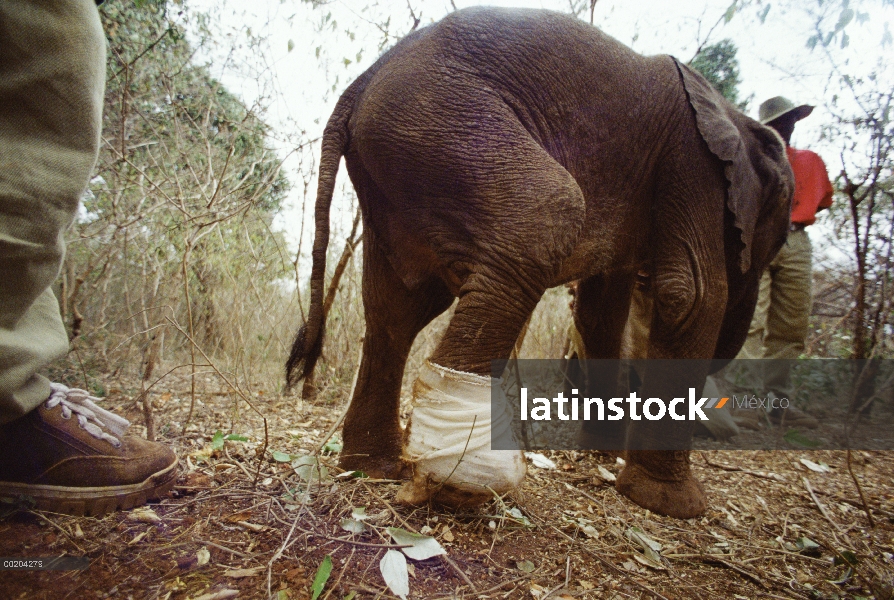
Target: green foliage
719, 65
322, 576
830, 30
217, 442
178, 222
795, 437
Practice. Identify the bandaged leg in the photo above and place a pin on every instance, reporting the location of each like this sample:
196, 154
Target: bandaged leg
449, 441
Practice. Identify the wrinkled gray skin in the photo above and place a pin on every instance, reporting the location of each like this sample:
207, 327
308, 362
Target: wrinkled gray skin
499, 153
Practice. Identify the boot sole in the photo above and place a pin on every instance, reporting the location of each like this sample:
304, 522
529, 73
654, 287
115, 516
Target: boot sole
93, 501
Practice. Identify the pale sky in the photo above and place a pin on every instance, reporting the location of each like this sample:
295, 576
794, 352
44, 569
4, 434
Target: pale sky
296, 85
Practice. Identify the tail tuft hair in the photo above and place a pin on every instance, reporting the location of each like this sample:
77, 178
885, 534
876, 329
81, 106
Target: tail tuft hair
303, 357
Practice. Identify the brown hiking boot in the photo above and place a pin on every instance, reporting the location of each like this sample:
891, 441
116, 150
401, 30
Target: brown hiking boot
70, 456
789, 417
792, 417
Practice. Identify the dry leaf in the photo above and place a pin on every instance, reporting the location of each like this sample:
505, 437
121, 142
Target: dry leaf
447, 536
203, 557
605, 474
196, 479
239, 573
138, 537
818, 468
352, 526
525, 566
421, 547
219, 595
393, 567
540, 461
631, 566
143, 515
239, 516
649, 562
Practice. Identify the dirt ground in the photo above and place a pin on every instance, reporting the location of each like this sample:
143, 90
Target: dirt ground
237, 526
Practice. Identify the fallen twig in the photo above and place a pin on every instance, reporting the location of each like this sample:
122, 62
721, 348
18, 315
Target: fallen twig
460, 572
60, 528
850, 469
730, 468
488, 590
821, 508
705, 558
224, 548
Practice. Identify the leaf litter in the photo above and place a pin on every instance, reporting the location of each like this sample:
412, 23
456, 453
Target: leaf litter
565, 533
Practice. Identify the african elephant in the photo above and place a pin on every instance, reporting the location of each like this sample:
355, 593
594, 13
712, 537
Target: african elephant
498, 153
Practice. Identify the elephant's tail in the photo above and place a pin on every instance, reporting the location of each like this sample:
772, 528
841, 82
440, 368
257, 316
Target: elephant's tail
308, 344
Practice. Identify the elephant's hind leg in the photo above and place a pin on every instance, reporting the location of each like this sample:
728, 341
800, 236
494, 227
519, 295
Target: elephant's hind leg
495, 301
373, 438
450, 431
601, 310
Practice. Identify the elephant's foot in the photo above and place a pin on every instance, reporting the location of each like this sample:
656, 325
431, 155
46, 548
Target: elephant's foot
673, 491
376, 466
422, 488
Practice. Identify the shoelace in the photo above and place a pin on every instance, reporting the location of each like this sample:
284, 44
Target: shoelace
91, 417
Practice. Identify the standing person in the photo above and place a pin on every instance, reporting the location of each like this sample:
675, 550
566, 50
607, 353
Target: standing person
56, 446
781, 319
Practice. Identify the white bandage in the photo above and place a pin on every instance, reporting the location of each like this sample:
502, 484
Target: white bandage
450, 434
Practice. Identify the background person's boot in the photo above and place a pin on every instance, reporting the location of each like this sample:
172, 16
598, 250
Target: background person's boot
71, 456
792, 417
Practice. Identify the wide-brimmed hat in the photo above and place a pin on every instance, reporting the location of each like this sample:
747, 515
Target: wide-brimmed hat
776, 107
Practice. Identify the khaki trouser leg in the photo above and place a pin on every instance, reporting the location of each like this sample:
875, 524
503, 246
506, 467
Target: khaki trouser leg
782, 316
754, 343
751, 376
788, 318
52, 75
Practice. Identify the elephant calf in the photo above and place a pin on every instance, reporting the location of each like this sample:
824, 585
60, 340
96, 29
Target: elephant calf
498, 153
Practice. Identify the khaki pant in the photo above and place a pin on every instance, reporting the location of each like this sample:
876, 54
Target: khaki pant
782, 318
52, 75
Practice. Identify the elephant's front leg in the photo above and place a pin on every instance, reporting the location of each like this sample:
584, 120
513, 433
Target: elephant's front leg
373, 438
658, 474
690, 295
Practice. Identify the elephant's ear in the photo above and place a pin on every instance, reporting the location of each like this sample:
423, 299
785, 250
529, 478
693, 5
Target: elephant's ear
725, 141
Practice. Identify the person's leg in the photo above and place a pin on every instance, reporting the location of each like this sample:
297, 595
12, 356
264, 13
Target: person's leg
788, 322
56, 446
52, 74
754, 343
744, 375
789, 312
